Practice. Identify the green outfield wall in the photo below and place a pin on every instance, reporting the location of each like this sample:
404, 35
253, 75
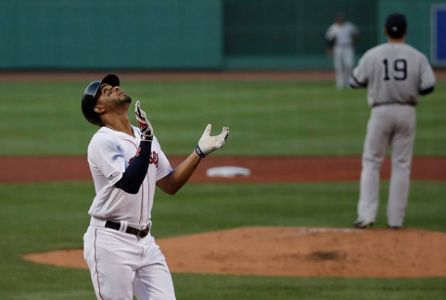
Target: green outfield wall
418, 13
132, 34
289, 33
191, 34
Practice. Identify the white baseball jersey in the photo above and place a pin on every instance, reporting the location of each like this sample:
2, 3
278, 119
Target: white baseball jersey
343, 52
109, 153
342, 33
121, 264
393, 73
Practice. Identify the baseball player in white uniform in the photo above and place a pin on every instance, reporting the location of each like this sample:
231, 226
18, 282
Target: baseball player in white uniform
395, 74
127, 163
341, 36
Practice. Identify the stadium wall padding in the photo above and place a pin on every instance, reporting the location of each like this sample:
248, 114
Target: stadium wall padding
133, 34
191, 34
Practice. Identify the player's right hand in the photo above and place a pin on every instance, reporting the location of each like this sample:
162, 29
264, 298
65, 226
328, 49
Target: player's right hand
143, 123
208, 143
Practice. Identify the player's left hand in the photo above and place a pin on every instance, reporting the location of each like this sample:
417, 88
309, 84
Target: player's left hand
143, 123
208, 143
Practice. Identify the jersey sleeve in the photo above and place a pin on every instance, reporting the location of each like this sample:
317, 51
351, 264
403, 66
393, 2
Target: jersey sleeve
427, 75
164, 167
329, 34
107, 157
354, 29
359, 77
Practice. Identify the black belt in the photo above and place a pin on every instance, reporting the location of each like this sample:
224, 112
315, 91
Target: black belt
131, 230
391, 103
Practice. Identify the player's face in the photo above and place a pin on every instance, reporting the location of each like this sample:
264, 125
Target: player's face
112, 99
114, 95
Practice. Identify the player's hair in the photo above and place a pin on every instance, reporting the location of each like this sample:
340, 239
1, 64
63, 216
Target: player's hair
396, 25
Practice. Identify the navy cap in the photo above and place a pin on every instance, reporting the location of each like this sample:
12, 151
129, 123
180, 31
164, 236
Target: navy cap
396, 25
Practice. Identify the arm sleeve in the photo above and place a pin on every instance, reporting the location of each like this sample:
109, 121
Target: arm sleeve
136, 171
164, 167
426, 91
359, 78
330, 43
427, 82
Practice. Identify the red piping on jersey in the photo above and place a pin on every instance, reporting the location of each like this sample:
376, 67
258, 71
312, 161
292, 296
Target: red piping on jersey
142, 202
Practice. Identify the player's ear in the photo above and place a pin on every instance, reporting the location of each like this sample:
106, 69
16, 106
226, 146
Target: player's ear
99, 108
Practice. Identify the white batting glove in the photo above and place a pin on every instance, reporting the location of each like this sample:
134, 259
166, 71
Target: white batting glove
208, 143
143, 123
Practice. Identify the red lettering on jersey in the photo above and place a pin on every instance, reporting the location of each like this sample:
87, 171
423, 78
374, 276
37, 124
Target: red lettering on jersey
154, 158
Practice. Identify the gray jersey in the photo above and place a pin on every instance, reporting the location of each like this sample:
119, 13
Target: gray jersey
342, 34
393, 73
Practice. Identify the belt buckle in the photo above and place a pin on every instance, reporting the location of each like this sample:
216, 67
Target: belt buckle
143, 233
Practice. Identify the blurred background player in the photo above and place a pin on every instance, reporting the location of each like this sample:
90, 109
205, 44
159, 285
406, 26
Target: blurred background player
340, 38
395, 74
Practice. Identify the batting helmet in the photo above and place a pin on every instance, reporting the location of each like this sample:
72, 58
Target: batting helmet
91, 95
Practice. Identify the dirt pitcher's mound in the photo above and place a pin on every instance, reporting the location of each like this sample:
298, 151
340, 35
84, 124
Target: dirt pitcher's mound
291, 251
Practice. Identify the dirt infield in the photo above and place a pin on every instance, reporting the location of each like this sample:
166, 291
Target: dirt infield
291, 251
274, 251
263, 169
62, 76
170, 76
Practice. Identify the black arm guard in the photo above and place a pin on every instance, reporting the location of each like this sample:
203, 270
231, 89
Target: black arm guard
330, 43
137, 170
426, 91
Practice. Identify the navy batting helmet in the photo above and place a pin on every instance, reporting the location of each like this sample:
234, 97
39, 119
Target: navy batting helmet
90, 96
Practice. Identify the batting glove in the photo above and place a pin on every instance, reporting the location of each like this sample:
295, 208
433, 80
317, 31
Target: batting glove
143, 123
208, 143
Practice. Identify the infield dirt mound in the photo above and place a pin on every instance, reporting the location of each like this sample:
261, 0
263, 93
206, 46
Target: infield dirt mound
292, 251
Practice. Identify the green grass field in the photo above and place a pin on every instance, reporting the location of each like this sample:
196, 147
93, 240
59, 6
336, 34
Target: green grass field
266, 118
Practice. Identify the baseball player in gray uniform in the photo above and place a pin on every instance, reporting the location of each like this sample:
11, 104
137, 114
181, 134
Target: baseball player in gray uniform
395, 74
341, 37
127, 163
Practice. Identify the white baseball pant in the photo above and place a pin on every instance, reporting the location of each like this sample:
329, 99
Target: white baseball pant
389, 125
343, 59
123, 264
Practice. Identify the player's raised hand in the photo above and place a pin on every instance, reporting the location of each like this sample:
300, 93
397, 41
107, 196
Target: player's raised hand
208, 143
143, 123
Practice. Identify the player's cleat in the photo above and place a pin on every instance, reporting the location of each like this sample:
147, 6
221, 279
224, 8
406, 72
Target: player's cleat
393, 227
362, 225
